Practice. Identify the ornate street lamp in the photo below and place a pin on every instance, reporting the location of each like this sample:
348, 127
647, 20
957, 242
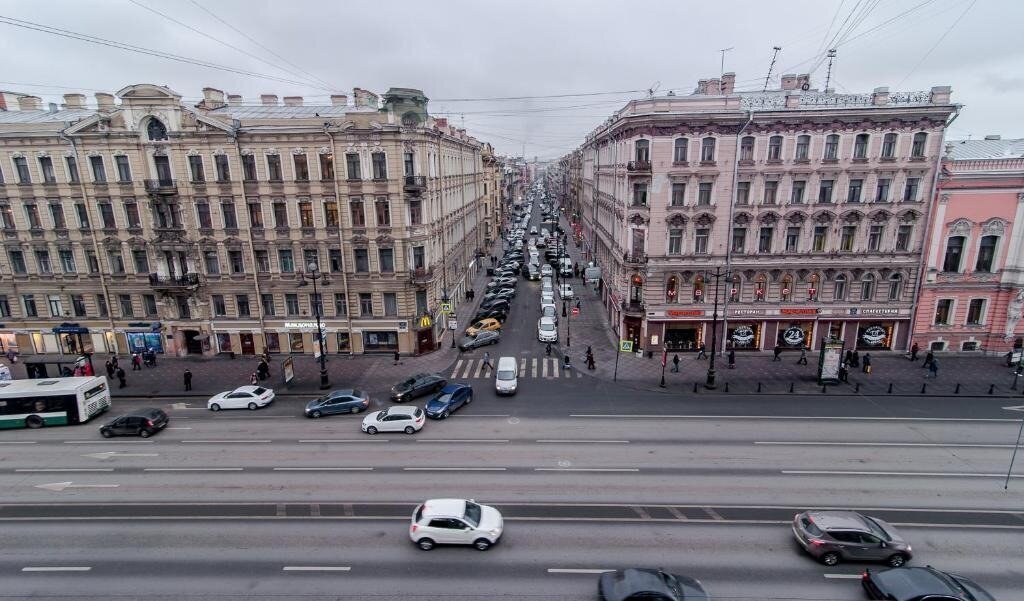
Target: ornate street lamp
313, 273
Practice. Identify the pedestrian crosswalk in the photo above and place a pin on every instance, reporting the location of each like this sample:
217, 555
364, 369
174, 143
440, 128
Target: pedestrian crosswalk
544, 368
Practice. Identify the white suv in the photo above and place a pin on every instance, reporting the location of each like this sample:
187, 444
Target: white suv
455, 522
547, 331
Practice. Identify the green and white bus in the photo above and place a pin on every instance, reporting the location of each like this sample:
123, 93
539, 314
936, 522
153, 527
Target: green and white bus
52, 401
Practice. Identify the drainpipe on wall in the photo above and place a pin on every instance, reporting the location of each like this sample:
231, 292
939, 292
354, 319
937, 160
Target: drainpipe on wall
922, 262
728, 229
341, 239
252, 249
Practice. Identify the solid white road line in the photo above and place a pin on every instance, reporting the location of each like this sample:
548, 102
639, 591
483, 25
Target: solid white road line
554, 367
552, 441
884, 444
577, 570
522, 368
108, 441
473, 440
316, 568
65, 469
323, 469
479, 369
193, 469
924, 474
586, 469
178, 428
56, 569
333, 440
17, 442
533, 368
843, 576
799, 417
454, 469
225, 441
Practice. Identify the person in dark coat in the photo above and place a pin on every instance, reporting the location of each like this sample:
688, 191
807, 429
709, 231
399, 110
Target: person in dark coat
856, 359
110, 369
397, 357
263, 369
732, 358
803, 357
113, 361
867, 363
848, 357
121, 378
913, 352
928, 359
188, 379
675, 363
778, 353
702, 351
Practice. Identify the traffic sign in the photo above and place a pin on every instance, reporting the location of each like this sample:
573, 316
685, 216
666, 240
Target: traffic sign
575, 311
453, 324
626, 346
446, 307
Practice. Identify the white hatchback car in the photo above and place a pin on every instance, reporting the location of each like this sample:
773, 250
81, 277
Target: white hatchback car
546, 299
455, 522
565, 291
243, 397
397, 418
547, 331
546, 269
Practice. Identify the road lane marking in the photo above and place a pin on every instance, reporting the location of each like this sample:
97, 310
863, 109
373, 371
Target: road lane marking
64, 469
844, 576
333, 440
679, 515
107, 441
473, 440
323, 469
578, 571
59, 486
883, 444
193, 469
924, 474
454, 469
460, 414
110, 454
225, 441
17, 442
554, 367
522, 368
713, 514
479, 369
641, 512
56, 569
560, 441
586, 469
533, 368
455, 370
179, 428
797, 417
317, 568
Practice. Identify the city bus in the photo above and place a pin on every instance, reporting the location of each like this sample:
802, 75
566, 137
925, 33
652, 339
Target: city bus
52, 401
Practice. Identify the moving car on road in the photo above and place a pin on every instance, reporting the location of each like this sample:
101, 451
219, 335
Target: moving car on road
417, 385
243, 397
346, 400
455, 522
505, 377
484, 338
448, 400
547, 331
832, 536
397, 418
144, 423
636, 583
921, 584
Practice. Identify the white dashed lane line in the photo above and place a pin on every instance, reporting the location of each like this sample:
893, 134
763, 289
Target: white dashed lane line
56, 569
316, 569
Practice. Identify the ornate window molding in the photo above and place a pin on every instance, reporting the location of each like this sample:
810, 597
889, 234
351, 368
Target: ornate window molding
961, 226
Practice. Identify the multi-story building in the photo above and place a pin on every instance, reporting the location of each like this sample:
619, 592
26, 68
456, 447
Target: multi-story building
973, 293
197, 228
492, 205
814, 203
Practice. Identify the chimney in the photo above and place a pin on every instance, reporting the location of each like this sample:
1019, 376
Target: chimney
789, 81
792, 99
804, 79
880, 96
441, 122
104, 101
268, 99
212, 98
714, 87
293, 100
360, 96
235, 99
941, 94
339, 100
30, 103
728, 83
702, 86
74, 101
52, 107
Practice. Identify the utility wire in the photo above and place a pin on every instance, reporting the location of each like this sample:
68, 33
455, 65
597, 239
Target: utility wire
538, 97
937, 42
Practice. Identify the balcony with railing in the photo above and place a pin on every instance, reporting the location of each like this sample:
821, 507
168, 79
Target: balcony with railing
422, 275
635, 258
415, 183
639, 167
185, 282
633, 307
162, 186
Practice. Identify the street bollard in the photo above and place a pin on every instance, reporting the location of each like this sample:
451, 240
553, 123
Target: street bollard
991, 388
856, 387
924, 387
790, 388
824, 389
695, 387
759, 387
957, 391
890, 387
727, 387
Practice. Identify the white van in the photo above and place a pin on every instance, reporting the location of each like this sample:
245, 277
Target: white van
565, 266
506, 376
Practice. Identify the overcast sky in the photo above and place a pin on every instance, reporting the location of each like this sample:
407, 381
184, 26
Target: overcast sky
606, 52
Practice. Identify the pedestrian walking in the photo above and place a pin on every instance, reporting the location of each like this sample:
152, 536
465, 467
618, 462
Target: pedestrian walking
136, 362
547, 349
913, 352
928, 359
675, 363
121, 378
397, 357
263, 370
110, 369
778, 354
701, 352
590, 362
150, 357
933, 368
848, 358
487, 360
867, 363
113, 361
254, 379
732, 359
844, 372
803, 357
12, 356
188, 379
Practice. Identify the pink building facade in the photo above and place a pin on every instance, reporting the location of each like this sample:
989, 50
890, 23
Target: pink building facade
973, 291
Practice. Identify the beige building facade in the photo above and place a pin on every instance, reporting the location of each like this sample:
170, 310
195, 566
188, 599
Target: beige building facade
146, 222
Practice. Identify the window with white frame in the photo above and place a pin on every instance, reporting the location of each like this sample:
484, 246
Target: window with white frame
976, 312
679, 150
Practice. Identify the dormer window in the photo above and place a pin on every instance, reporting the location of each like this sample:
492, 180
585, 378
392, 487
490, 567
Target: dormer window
156, 130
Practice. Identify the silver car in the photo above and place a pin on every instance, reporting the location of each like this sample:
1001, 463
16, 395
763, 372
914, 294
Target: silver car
833, 536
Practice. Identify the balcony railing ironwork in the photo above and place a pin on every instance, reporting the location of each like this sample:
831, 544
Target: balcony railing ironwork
638, 167
189, 280
161, 186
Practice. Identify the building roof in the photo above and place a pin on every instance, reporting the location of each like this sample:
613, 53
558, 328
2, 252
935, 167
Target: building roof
965, 150
288, 112
41, 116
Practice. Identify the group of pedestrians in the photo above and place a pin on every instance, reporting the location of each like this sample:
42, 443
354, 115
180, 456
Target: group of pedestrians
114, 370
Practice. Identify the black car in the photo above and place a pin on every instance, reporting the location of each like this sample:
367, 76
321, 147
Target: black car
505, 293
635, 583
499, 314
144, 423
920, 584
347, 400
417, 385
495, 303
483, 338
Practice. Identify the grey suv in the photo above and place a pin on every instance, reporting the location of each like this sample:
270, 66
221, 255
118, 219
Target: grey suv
832, 536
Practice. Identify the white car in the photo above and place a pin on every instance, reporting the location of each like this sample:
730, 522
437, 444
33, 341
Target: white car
243, 397
545, 269
546, 301
455, 522
533, 231
505, 377
565, 291
549, 311
397, 418
547, 331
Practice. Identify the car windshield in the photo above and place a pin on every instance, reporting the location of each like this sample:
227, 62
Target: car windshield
507, 374
877, 529
259, 390
473, 512
972, 587
382, 414
547, 327
443, 399
358, 393
810, 526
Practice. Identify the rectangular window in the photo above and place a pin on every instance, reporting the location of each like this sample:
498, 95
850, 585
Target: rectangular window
747, 149
301, 167
675, 241
195, 168
56, 307
679, 150
331, 213
21, 165
700, 240
678, 195
124, 170
831, 147
280, 214
771, 192
262, 261
903, 237
67, 261
327, 167
149, 305
334, 260
274, 167
220, 308
236, 262
954, 254
77, 304
639, 195
316, 305
820, 237
6, 217
390, 304
242, 303
5, 307
32, 213
131, 214
310, 256
792, 239
825, 191
203, 213
340, 305
860, 146
742, 193
764, 243
17, 261
212, 262
72, 164
116, 262
57, 214
286, 261
107, 213
83, 216
267, 302
227, 209
141, 260
889, 146
362, 260
352, 165
943, 311
29, 302
409, 164
739, 240
415, 211
356, 210
92, 262
306, 214
255, 215
365, 304
986, 253
875, 237
223, 168
101, 305
383, 210
46, 167
707, 150
704, 195
387, 260
846, 237
803, 148
775, 148
918, 144
910, 191
799, 188
380, 165
882, 189
125, 302
291, 304
853, 192
249, 167
975, 311
99, 172
43, 262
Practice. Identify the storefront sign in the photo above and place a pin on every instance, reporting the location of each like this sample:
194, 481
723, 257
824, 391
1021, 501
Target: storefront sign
299, 325
869, 311
829, 360
748, 312
139, 342
875, 336
70, 328
743, 336
798, 311
288, 368
684, 313
793, 336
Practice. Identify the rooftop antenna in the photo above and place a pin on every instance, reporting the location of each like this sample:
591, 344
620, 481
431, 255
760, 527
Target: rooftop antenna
775, 55
828, 76
723, 51
654, 88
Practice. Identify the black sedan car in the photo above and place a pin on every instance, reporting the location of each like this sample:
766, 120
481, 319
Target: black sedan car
505, 293
484, 338
636, 583
499, 314
346, 400
921, 584
417, 385
143, 422
495, 303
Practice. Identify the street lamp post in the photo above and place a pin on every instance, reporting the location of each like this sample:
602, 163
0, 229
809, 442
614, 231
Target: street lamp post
314, 274
710, 383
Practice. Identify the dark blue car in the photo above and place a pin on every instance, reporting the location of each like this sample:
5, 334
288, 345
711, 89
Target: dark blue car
347, 400
449, 399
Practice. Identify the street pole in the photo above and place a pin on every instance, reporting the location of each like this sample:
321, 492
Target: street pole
618, 351
314, 274
664, 360
710, 383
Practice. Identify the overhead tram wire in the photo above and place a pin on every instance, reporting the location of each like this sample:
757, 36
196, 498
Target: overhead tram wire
937, 42
65, 33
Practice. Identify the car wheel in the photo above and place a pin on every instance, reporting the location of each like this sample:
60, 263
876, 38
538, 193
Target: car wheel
830, 559
34, 421
897, 560
410, 430
253, 406
106, 433
425, 543
482, 544
444, 415
371, 430
215, 407
144, 433
469, 399
315, 414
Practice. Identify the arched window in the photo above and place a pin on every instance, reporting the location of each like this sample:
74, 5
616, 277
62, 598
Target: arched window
860, 146
775, 148
986, 253
812, 288
831, 147
889, 146
803, 148
747, 148
895, 287
737, 289
643, 150
867, 287
707, 150
672, 290
760, 289
839, 288
156, 130
954, 254
917, 147
698, 289
786, 289
679, 150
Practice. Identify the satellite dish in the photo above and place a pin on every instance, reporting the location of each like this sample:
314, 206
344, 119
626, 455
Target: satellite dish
805, 87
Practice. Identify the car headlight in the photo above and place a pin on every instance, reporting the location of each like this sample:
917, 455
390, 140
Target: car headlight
494, 532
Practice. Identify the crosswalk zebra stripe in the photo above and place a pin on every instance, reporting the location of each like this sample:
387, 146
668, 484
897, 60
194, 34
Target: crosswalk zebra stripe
554, 367
479, 369
533, 369
455, 371
522, 368
544, 368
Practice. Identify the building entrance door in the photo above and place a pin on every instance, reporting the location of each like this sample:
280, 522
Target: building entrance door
248, 346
